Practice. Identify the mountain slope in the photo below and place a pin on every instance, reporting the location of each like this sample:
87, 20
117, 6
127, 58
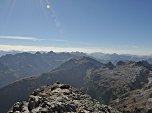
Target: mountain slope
136, 101
108, 84
6, 75
72, 72
104, 82
28, 64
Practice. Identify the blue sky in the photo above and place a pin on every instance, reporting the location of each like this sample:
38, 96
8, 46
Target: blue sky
111, 26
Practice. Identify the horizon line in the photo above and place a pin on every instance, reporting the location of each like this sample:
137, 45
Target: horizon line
26, 48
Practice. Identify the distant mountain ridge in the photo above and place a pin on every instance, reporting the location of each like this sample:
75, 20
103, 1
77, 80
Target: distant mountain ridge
114, 58
2, 53
22, 65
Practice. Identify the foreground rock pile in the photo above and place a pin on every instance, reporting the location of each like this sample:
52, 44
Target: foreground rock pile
60, 98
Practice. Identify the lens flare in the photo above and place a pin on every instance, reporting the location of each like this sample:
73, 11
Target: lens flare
48, 6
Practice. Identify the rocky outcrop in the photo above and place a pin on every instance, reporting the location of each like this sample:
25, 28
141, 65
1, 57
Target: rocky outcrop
60, 98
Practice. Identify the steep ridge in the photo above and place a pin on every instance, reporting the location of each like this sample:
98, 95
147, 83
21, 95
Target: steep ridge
107, 84
136, 101
60, 98
72, 72
28, 64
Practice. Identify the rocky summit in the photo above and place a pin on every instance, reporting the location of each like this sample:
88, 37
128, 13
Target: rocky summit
60, 98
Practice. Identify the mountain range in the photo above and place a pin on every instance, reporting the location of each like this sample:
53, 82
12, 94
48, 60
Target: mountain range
114, 58
104, 82
124, 85
22, 65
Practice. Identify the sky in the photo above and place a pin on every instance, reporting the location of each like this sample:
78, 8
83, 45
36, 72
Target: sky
109, 26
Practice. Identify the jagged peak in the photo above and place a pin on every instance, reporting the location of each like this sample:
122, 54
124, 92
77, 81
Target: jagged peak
71, 63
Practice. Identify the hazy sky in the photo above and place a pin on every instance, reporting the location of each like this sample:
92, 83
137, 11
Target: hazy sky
121, 26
